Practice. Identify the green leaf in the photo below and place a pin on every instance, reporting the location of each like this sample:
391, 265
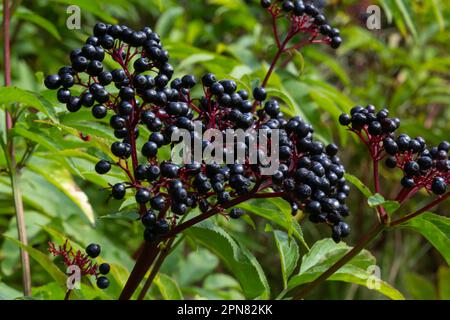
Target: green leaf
378, 200
220, 281
195, 267
391, 206
444, 283
123, 215
33, 17
62, 179
294, 109
435, 229
237, 259
419, 287
26, 98
8, 293
168, 287
407, 17
437, 10
358, 270
358, 184
272, 210
375, 200
167, 19
289, 254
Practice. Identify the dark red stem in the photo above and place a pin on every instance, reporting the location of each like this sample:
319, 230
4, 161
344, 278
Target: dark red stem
158, 263
420, 211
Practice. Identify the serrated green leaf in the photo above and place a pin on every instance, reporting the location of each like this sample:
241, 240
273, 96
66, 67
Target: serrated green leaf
237, 259
434, 228
270, 210
359, 270
358, 184
26, 98
289, 254
168, 287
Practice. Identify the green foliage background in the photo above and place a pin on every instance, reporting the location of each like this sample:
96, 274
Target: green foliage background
405, 66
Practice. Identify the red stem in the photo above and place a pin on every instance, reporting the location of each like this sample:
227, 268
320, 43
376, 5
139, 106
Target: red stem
275, 31
7, 54
143, 263
13, 168
150, 251
162, 256
420, 211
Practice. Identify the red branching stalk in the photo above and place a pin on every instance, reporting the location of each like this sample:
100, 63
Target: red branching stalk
298, 25
71, 258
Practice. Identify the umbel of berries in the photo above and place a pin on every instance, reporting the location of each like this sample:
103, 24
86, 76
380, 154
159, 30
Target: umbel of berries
422, 166
305, 18
141, 92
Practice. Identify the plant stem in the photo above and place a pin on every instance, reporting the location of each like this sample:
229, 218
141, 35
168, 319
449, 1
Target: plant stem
162, 256
376, 178
143, 263
210, 213
420, 211
13, 170
149, 252
341, 262
272, 66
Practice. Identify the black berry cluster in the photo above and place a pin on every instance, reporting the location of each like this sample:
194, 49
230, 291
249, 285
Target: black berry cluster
141, 48
423, 167
309, 176
306, 18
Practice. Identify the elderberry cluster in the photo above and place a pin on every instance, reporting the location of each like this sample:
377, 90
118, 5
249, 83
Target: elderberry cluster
309, 176
422, 167
305, 15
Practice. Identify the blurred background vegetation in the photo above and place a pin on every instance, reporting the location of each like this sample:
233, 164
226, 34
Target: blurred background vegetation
404, 66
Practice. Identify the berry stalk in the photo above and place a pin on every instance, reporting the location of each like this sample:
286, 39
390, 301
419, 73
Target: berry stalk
158, 263
143, 263
150, 251
13, 169
420, 211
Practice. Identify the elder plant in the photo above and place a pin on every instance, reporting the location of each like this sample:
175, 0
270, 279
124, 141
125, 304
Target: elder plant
141, 92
